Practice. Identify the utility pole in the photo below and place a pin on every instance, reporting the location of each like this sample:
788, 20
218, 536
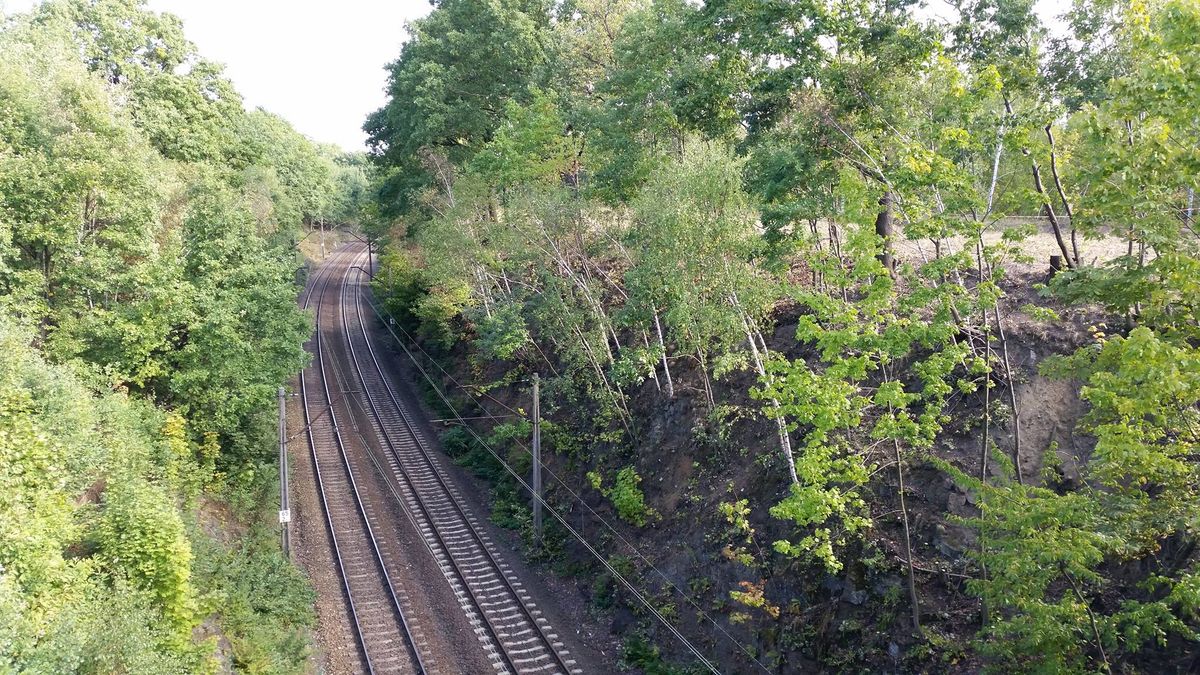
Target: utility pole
321, 224
285, 511
537, 464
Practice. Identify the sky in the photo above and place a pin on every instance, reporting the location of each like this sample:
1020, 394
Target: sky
318, 63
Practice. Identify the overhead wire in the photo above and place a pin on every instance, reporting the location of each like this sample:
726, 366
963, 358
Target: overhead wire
743, 648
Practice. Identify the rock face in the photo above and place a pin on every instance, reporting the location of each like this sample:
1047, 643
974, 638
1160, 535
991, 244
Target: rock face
1049, 411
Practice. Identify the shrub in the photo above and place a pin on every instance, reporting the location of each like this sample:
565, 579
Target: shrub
142, 536
502, 334
627, 498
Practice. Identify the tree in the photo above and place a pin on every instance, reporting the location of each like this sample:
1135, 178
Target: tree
448, 88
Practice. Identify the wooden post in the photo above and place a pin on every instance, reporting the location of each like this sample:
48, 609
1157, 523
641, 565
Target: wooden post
537, 463
285, 511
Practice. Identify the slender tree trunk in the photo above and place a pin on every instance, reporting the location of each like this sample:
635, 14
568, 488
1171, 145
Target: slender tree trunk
1012, 397
817, 279
1062, 195
708, 392
1091, 618
662, 345
1047, 207
985, 441
883, 228
785, 441
912, 581
617, 398
991, 197
565, 265
653, 371
484, 292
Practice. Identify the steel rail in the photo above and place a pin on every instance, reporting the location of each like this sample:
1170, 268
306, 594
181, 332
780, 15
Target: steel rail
516, 599
361, 634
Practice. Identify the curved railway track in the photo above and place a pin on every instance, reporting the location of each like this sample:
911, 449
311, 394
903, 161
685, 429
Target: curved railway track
385, 641
511, 630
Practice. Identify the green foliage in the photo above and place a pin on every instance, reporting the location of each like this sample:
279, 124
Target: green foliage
529, 146
142, 535
640, 653
859, 342
263, 603
694, 241
737, 513
147, 223
177, 281
626, 497
451, 84
503, 333
1046, 549
401, 284
659, 183
69, 568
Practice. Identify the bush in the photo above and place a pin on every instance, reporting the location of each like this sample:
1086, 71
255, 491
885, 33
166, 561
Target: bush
502, 334
626, 497
142, 537
263, 603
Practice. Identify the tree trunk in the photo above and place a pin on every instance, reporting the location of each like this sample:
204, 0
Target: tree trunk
1012, 397
912, 582
662, 345
1047, 208
617, 398
708, 392
1062, 195
883, 228
785, 441
653, 371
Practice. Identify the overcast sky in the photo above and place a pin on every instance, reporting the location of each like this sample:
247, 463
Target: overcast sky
319, 64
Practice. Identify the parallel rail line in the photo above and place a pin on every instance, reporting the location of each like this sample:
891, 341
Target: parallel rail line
384, 638
513, 632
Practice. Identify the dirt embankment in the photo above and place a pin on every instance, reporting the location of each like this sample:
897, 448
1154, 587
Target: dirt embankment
790, 616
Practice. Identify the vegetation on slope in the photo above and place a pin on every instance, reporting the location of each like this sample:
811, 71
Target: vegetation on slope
148, 271
632, 199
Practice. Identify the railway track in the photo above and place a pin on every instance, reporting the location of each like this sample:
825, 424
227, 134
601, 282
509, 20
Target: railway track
510, 629
384, 639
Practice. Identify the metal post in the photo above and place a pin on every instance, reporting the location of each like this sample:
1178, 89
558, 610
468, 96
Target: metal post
285, 511
321, 224
537, 464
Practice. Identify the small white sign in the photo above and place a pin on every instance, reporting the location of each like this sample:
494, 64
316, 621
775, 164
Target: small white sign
285, 515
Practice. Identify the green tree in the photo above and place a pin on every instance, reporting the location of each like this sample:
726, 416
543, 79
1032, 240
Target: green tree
450, 85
